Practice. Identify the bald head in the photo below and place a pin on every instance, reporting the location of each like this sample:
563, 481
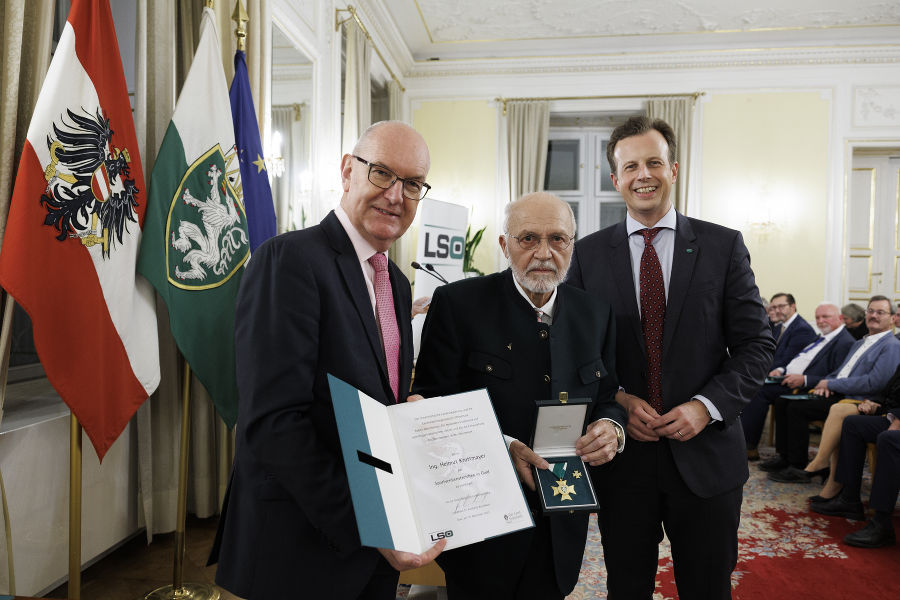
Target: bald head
394, 150
536, 200
383, 132
537, 240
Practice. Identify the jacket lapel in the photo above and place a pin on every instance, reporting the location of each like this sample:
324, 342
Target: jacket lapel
620, 263
683, 260
823, 355
348, 266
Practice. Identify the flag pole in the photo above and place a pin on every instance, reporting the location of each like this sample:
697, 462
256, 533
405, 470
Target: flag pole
5, 344
180, 590
74, 587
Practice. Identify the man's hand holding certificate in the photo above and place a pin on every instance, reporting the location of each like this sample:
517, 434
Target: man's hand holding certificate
425, 471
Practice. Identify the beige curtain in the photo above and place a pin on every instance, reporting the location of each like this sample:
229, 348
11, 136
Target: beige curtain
357, 86
282, 187
167, 36
527, 132
395, 101
677, 112
27, 29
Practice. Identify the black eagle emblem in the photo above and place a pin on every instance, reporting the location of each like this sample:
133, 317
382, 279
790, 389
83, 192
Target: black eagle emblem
90, 193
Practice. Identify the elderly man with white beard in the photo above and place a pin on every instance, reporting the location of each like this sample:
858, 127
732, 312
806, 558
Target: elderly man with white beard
526, 336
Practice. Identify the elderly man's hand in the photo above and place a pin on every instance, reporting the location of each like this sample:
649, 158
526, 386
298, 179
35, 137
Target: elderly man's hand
404, 561
523, 459
420, 305
821, 389
794, 380
599, 443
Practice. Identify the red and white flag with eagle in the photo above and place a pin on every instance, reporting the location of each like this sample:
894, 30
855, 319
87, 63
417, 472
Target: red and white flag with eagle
74, 229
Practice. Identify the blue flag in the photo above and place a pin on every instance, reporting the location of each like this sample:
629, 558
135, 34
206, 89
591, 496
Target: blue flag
254, 176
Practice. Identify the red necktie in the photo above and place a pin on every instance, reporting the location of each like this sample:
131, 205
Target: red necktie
653, 315
387, 320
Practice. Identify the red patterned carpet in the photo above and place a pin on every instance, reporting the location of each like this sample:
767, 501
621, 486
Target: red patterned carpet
785, 551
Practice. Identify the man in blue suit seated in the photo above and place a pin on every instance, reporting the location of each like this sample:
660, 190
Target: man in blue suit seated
820, 357
869, 365
792, 334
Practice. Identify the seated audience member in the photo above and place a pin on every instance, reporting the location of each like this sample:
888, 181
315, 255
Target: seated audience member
858, 431
886, 401
855, 319
869, 365
793, 334
895, 318
773, 318
824, 355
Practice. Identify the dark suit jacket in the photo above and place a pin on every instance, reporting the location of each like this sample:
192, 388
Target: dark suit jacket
482, 333
303, 310
716, 339
889, 397
831, 356
793, 340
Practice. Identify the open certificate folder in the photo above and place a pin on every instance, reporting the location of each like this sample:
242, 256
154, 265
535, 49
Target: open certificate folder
425, 471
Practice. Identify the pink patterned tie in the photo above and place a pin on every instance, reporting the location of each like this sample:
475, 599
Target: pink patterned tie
387, 320
653, 315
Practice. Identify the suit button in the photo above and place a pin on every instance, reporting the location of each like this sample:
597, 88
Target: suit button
546, 379
542, 334
489, 368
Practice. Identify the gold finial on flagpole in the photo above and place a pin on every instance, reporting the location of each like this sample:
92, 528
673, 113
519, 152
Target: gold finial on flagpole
240, 17
210, 3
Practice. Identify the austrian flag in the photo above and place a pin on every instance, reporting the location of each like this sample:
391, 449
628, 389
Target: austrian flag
70, 248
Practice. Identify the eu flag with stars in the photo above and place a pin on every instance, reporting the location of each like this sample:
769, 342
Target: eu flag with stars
254, 177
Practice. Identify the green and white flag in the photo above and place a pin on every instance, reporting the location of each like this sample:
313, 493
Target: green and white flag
195, 239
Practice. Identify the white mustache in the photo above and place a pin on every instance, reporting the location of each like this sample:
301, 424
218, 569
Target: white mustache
542, 264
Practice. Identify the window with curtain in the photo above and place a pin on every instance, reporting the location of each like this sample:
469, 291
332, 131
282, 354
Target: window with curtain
577, 171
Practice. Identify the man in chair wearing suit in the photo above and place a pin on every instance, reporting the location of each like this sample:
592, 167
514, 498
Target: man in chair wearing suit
693, 344
792, 335
865, 371
525, 338
824, 355
316, 301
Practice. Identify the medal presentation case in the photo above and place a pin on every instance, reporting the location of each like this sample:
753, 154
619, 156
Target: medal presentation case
566, 485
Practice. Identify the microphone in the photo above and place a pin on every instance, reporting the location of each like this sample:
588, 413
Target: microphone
437, 276
431, 268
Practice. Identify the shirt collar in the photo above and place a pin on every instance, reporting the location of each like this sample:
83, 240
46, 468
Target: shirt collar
872, 338
668, 221
364, 250
547, 308
833, 333
787, 323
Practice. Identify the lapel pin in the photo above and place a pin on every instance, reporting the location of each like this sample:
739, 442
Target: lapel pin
509, 346
689, 250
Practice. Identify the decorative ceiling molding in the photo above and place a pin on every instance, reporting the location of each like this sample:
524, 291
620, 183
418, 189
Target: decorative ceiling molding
724, 59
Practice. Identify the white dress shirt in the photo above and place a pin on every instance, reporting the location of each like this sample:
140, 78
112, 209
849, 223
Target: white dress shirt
664, 244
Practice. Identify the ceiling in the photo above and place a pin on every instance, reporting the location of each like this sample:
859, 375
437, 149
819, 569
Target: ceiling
442, 30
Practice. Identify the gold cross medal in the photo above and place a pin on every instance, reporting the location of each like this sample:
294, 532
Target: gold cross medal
562, 487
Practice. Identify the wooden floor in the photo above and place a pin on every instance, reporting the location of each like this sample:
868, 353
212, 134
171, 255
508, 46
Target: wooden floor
135, 568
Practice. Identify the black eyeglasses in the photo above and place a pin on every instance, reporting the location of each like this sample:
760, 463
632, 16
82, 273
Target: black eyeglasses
530, 241
384, 178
